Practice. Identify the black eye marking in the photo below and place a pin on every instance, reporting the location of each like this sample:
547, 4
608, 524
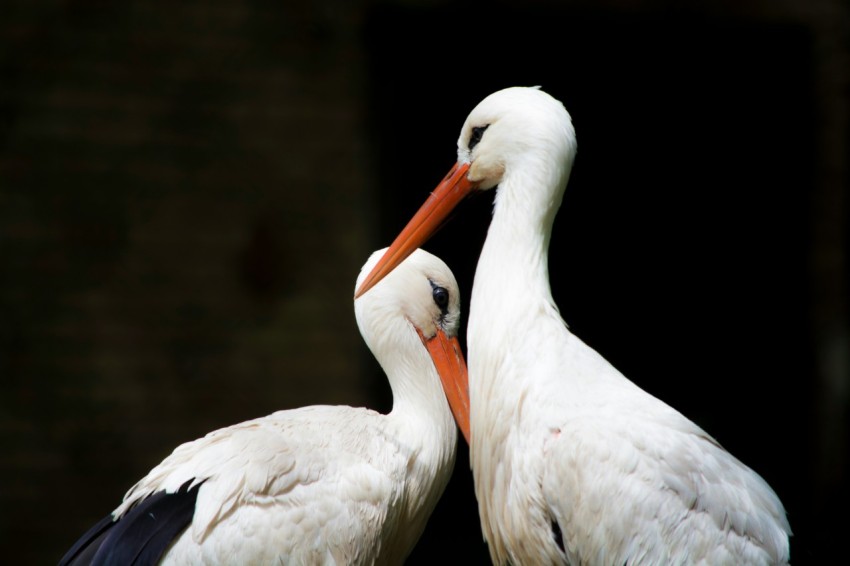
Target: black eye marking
477, 132
440, 296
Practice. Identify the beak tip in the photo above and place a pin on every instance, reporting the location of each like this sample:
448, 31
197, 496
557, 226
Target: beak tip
364, 287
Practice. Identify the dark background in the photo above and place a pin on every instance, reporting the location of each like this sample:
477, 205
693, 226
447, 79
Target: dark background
188, 191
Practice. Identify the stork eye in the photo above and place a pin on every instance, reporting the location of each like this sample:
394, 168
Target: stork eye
477, 132
441, 297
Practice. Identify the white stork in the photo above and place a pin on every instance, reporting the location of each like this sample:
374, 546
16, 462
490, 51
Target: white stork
572, 462
319, 484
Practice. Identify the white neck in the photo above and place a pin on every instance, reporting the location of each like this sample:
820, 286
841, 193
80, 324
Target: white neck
420, 412
424, 428
512, 277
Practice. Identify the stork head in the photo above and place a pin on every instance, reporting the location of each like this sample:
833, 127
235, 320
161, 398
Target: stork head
512, 130
417, 305
517, 131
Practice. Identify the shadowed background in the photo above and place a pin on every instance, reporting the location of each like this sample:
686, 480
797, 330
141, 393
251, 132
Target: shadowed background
188, 190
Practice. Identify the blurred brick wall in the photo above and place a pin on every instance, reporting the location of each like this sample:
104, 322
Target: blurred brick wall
184, 206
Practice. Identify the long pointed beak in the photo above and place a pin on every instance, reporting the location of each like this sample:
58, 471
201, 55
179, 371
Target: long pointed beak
448, 359
451, 190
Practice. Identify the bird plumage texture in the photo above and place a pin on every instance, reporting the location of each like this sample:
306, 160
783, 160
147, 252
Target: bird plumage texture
559, 435
319, 484
572, 462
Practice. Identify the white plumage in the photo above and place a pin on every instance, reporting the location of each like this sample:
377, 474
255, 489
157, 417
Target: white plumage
330, 484
573, 463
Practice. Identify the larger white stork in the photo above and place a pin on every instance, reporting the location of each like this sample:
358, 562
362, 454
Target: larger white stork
572, 462
320, 484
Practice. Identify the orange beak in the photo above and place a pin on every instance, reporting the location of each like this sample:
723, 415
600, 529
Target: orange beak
451, 190
448, 359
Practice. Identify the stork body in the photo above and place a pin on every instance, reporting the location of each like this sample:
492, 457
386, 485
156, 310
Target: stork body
573, 463
319, 484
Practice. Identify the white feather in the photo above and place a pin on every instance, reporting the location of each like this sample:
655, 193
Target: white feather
328, 484
558, 434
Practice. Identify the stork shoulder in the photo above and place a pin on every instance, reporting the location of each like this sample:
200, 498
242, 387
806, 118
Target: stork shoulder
282, 460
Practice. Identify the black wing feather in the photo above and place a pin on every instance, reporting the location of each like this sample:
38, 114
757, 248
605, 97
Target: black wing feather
83, 550
141, 536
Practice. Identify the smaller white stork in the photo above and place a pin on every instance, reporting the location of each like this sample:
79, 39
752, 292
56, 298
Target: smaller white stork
319, 484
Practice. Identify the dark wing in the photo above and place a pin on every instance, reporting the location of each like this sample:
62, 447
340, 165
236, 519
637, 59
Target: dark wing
83, 550
141, 536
